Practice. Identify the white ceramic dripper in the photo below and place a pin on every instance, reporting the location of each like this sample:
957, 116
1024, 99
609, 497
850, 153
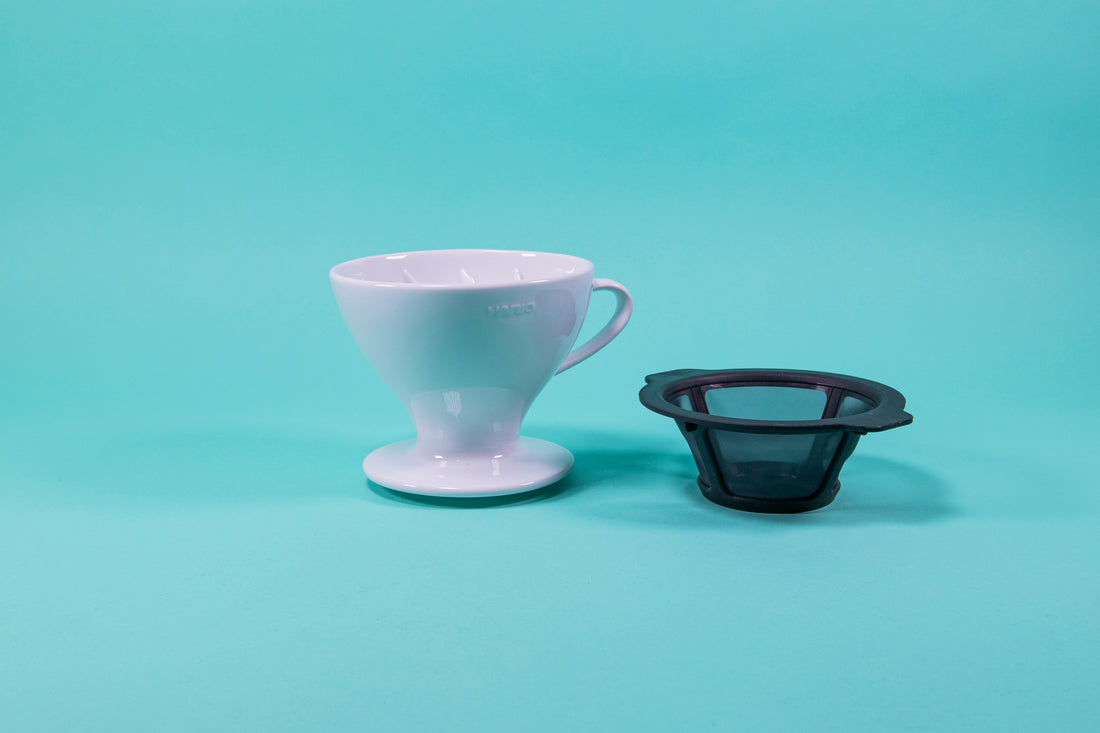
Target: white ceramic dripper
467, 339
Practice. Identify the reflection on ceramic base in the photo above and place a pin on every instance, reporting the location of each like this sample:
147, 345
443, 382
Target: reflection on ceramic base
528, 464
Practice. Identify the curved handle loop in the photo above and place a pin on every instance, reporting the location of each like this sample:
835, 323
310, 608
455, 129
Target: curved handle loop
623, 308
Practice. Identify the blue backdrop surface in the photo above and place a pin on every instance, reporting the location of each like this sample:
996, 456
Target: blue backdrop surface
907, 193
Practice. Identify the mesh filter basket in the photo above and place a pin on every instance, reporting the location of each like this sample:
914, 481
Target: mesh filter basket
770, 440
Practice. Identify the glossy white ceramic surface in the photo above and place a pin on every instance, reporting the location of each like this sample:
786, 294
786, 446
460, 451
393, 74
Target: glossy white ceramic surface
467, 339
527, 464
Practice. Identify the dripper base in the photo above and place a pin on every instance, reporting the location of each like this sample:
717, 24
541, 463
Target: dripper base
526, 465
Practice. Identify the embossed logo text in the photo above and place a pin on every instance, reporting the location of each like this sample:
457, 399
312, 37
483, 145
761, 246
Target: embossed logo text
511, 310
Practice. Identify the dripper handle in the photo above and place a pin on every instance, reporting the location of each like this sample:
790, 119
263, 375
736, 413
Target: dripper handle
623, 308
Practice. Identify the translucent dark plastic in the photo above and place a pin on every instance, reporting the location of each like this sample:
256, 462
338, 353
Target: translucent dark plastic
768, 440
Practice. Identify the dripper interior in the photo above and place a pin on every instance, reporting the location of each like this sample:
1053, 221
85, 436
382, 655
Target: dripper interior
462, 268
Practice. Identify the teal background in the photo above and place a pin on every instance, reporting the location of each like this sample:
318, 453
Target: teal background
908, 192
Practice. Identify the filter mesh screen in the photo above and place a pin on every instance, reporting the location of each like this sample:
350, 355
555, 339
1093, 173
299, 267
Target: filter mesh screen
852, 405
773, 466
766, 403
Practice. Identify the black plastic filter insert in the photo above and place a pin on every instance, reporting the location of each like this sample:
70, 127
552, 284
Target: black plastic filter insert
768, 440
